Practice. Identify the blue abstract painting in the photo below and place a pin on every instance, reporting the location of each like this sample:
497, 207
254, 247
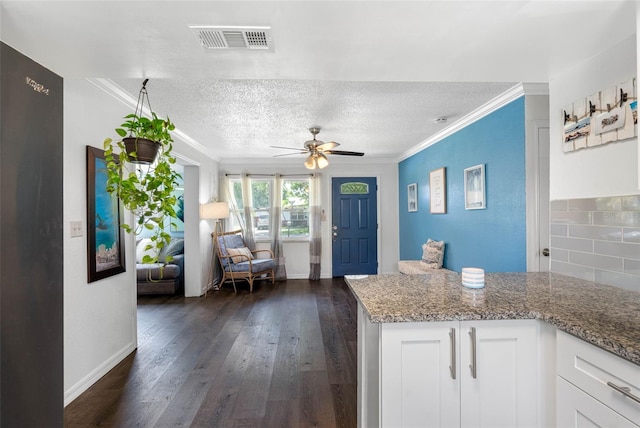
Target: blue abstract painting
105, 236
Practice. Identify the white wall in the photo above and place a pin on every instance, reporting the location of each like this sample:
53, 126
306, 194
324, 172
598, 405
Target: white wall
201, 186
297, 253
192, 262
609, 170
208, 174
99, 317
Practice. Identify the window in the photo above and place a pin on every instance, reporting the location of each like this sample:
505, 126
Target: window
354, 188
295, 208
261, 202
294, 218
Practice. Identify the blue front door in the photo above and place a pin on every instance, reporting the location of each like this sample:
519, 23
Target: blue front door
354, 226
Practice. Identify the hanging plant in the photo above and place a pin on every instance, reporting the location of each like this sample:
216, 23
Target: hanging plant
140, 174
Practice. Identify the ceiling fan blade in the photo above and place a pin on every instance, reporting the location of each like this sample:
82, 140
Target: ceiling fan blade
328, 146
316, 151
288, 148
289, 154
343, 152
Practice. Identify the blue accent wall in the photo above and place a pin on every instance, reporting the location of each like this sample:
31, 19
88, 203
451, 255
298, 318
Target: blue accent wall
493, 238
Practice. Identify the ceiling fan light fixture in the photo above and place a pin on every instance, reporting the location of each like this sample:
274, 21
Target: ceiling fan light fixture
310, 163
322, 161
318, 151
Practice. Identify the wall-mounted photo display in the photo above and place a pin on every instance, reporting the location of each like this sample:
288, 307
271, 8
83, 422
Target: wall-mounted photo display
177, 223
474, 190
438, 191
604, 117
105, 237
412, 197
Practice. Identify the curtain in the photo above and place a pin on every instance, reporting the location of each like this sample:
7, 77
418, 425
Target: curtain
247, 201
276, 226
315, 231
234, 209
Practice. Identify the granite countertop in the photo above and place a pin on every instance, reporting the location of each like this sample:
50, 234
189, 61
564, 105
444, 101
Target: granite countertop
605, 316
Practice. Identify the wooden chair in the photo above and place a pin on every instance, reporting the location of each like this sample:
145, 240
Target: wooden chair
238, 262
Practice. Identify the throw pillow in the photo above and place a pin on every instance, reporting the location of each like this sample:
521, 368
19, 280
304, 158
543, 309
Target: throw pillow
433, 254
238, 254
175, 247
142, 250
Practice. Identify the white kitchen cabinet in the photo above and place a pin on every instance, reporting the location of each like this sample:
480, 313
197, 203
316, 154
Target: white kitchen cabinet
576, 409
605, 389
499, 389
426, 373
419, 375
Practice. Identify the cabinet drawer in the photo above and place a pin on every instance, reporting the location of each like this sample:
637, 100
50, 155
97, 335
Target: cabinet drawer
577, 409
591, 368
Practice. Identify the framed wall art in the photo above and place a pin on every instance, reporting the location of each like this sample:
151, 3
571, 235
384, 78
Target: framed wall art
438, 191
177, 223
105, 237
412, 197
606, 116
474, 190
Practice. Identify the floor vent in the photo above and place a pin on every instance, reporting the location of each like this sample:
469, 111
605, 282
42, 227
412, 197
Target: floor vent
233, 38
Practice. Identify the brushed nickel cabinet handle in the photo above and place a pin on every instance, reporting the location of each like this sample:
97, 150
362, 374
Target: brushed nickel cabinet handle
473, 366
624, 390
452, 367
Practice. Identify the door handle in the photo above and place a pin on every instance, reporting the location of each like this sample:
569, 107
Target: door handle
452, 367
545, 252
473, 366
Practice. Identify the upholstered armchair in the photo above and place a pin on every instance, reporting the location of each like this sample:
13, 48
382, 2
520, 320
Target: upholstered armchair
239, 262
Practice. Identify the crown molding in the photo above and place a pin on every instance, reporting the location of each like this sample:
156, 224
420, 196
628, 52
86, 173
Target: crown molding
116, 92
334, 160
500, 101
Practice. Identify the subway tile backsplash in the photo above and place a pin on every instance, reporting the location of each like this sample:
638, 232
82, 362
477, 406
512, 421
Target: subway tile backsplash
597, 239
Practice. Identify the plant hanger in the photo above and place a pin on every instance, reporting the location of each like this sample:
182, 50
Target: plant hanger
140, 104
143, 136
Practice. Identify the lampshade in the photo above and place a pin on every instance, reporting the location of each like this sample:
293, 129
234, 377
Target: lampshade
214, 210
322, 161
310, 163
316, 160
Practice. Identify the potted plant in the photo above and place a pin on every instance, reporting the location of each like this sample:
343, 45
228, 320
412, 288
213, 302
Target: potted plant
142, 137
145, 187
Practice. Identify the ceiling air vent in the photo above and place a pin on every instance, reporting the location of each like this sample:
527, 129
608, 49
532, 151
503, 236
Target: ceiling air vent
233, 38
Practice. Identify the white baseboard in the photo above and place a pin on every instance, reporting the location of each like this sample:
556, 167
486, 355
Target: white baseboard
298, 276
86, 382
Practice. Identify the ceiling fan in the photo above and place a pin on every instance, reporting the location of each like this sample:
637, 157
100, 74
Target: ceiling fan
317, 151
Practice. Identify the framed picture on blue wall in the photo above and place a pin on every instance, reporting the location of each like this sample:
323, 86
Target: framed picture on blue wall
474, 190
438, 191
412, 197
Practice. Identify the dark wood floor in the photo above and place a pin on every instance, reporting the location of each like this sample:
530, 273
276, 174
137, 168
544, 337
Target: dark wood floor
283, 356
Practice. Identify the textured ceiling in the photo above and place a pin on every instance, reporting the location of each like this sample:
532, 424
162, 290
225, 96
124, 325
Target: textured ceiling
372, 74
242, 118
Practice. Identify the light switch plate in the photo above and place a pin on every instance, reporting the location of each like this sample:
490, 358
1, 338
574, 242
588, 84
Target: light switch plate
76, 229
